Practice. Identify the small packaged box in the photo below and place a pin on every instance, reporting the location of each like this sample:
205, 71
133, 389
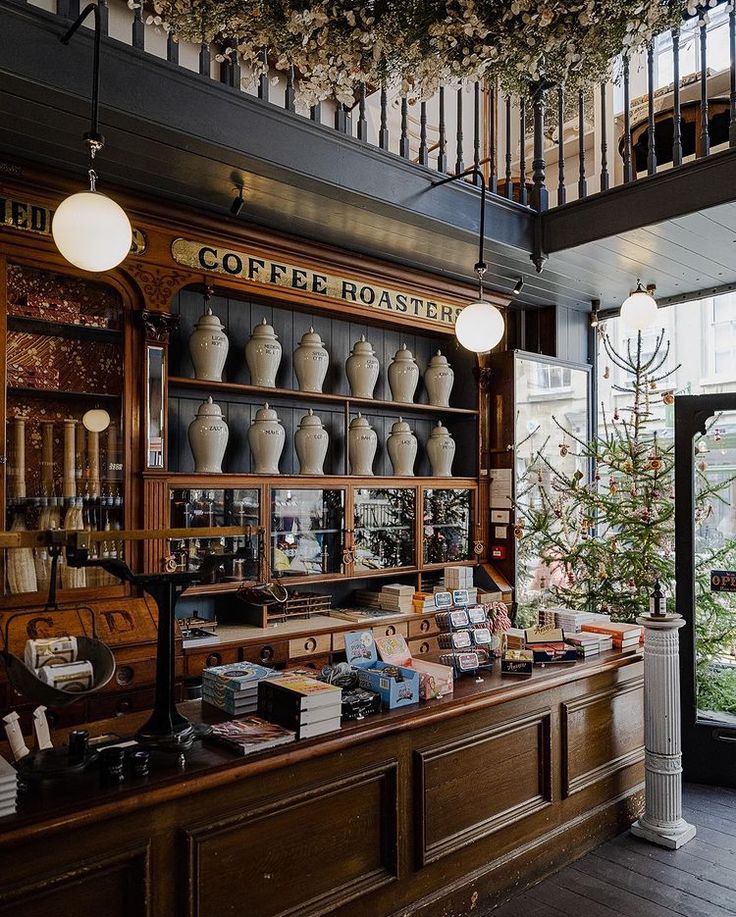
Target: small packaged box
548, 645
455, 640
443, 600
464, 663
397, 685
457, 619
517, 662
477, 614
435, 680
460, 598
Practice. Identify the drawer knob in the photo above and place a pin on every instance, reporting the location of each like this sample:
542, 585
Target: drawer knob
390, 631
214, 659
124, 675
310, 645
424, 626
266, 653
424, 648
123, 707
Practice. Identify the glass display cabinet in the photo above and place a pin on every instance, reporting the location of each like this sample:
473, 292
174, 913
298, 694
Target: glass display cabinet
194, 508
447, 525
384, 527
307, 531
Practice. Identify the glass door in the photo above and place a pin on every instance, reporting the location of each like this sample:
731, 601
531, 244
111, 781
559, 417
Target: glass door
705, 495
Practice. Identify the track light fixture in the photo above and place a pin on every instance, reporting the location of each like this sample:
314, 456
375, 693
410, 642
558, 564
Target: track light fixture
480, 325
518, 287
594, 310
238, 202
90, 230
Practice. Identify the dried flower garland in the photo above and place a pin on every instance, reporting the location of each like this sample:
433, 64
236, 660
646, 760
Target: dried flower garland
335, 45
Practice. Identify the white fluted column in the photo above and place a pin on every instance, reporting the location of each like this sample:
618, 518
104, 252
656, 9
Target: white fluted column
662, 822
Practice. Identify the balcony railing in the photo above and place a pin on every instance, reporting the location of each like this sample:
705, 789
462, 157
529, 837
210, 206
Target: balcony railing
667, 106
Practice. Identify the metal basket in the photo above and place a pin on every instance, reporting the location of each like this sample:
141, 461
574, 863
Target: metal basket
26, 682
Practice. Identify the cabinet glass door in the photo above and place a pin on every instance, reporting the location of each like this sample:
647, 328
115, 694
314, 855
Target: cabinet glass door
194, 508
448, 520
383, 528
307, 531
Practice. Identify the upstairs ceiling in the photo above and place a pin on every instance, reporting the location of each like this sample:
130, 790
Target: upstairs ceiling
174, 134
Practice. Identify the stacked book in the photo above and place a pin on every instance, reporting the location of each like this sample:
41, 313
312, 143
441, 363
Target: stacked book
249, 734
8, 788
307, 706
234, 687
397, 597
572, 621
588, 644
623, 636
368, 598
458, 578
423, 601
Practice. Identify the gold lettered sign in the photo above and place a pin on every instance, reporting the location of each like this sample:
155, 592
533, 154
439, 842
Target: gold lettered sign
723, 580
30, 217
250, 266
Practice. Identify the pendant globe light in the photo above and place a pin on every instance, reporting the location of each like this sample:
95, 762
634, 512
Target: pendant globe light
90, 230
639, 309
480, 325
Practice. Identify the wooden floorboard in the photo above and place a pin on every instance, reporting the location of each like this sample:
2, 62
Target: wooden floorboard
628, 877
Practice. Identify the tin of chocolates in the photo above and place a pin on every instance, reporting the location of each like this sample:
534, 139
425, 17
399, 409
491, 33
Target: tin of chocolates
482, 636
358, 703
460, 597
477, 614
462, 662
443, 600
455, 640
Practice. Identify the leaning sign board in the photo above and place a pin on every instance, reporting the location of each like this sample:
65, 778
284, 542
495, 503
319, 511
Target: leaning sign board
723, 580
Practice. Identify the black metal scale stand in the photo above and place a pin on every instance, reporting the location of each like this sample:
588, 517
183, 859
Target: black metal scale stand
166, 729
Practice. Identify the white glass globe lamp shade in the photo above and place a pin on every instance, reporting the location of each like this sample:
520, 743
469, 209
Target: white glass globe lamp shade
91, 231
479, 327
639, 310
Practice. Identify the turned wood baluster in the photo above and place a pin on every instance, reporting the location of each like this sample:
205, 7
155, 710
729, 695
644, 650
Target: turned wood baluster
442, 144
651, 126
704, 129
423, 148
628, 161
383, 131
476, 134
605, 180
561, 189
172, 49
315, 113
459, 163
732, 96
509, 191
540, 194
582, 179
492, 142
139, 28
205, 59
342, 118
362, 121
290, 94
404, 140
523, 194
264, 86
676, 106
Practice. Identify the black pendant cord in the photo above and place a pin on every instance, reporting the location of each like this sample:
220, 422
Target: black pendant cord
93, 138
481, 267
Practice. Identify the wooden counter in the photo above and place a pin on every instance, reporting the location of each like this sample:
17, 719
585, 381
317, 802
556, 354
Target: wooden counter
417, 811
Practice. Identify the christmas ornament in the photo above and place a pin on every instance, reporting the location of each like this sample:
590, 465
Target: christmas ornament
668, 398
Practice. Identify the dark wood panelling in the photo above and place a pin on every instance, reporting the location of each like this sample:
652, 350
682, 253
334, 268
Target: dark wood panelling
116, 886
453, 807
601, 734
305, 854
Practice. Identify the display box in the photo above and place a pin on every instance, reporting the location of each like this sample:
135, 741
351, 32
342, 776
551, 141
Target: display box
374, 675
517, 662
548, 645
435, 680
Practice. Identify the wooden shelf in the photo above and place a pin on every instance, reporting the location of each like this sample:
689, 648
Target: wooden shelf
188, 480
55, 393
64, 329
369, 404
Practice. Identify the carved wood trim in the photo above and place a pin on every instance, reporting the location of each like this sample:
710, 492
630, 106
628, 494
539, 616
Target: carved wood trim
158, 325
427, 853
138, 858
572, 785
386, 775
158, 285
156, 509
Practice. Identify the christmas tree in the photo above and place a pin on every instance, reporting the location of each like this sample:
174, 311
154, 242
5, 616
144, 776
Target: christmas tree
599, 536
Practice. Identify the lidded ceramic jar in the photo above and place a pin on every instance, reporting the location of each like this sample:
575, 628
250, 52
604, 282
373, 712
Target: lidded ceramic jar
402, 448
310, 362
208, 436
403, 375
263, 355
362, 445
311, 441
361, 368
266, 438
438, 380
208, 346
441, 451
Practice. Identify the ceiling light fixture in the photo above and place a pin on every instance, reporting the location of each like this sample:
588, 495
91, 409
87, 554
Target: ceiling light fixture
480, 325
90, 230
238, 202
639, 309
519, 286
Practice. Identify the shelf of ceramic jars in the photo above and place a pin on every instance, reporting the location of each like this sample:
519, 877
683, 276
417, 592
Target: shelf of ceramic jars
234, 479
249, 392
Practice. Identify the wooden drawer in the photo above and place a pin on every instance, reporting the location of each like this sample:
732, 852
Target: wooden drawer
423, 646
130, 675
107, 706
338, 641
204, 659
425, 626
317, 645
390, 630
266, 653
